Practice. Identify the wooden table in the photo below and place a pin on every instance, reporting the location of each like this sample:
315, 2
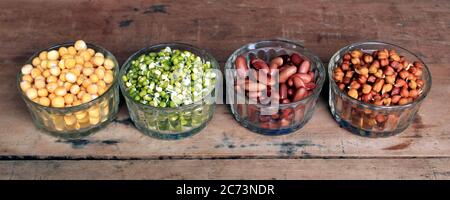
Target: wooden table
224, 149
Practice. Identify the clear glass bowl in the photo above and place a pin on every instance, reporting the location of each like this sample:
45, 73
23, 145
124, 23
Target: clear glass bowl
359, 117
287, 117
170, 123
77, 121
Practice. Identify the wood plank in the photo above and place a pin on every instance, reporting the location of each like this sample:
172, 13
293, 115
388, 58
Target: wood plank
124, 27
424, 169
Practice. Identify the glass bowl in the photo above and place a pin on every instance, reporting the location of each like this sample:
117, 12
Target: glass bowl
76, 121
170, 123
286, 118
361, 118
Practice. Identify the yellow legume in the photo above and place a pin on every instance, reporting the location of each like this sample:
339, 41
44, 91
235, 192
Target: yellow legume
31, 93
42, 92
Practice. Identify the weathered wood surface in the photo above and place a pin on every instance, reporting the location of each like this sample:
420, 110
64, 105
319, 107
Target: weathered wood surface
123, 27
428, 169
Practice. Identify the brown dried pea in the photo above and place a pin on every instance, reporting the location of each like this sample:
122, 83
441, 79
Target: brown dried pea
353, 93
366, 89
390, 79
386, 88
355, 85
379, 73
368, 58
413, 85
403, 101
356, 53
378, 85
395, 99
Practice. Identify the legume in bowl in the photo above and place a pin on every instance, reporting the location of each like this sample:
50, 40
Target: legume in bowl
70, 89
170, 89
273, 86
376, 88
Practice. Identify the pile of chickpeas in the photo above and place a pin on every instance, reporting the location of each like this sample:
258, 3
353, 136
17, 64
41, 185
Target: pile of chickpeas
68, 76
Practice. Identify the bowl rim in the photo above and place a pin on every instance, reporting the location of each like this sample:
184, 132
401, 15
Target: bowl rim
311, 56
82, 106
331, 66
145, 50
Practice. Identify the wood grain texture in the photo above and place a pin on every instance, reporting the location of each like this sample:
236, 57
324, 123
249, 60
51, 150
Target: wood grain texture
324, 26
423, 169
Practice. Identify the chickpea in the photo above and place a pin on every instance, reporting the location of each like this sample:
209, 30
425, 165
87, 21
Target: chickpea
101, 84
58, 102
88, 71
86, 83
60, 91
74, 89
101, 90
67, 85
25, 85
39, 84
98, 60
36, 61
27, 78
35, 72
86, 98
109, 64
99, 54
68, 98
71, 77
43, 65
79, 60
42, 92
44, 101
85, 55
31, 93
88, 64
69, 63
51, 79
55, 71
100, 72
43, 55
80, 45
80, 94
93, 78
53, 55
92, 89
51, 87
91, 51
26, 69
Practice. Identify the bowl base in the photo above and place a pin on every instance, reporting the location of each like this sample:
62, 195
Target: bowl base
364, 133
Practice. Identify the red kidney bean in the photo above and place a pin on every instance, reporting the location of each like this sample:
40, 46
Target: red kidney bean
264, 118
254, 87
285, 122
296, 59
304, 67
306, 78
254, 94
287, 113
286, 73
290, 92
276, 63
241, 66
260, 65
298, 82
285, 101
310, 86
283, 91
299, 113
290, 82
299, 94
